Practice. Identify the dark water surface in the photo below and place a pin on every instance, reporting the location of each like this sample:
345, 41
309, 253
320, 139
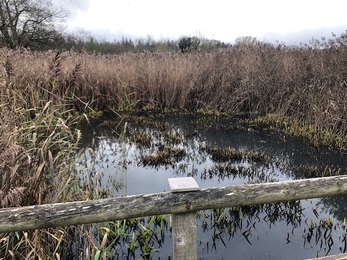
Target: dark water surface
305, 229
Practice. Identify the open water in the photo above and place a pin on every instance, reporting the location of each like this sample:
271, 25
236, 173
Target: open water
304, 229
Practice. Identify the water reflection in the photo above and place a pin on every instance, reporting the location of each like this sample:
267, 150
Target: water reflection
142, 160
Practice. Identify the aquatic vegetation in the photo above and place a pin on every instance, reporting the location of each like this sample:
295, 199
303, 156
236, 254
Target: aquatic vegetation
314, 171
318, 136
231, 154
163, 156
142, 139
250, 174
232, 221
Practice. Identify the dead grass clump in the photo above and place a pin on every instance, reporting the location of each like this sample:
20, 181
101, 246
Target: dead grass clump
13, 198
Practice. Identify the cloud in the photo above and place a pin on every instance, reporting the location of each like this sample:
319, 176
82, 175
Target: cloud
304, 36
73, 6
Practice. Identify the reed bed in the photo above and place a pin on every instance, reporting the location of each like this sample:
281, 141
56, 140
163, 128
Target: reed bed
42, 94
307, 82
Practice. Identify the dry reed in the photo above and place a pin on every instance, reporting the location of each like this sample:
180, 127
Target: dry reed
307, 82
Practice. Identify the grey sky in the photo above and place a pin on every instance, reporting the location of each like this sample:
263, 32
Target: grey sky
291, 22
304, 36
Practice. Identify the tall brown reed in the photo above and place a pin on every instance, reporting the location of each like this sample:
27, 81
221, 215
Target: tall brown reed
306, 82
37, 142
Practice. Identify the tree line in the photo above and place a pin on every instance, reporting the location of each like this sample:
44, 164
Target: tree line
38, 25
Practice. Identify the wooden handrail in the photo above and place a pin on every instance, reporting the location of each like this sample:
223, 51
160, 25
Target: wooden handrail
332, 257
83, 212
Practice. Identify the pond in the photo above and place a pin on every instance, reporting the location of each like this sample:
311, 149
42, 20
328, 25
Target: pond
215, 151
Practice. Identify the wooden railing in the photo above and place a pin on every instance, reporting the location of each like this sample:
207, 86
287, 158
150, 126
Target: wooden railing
184, 200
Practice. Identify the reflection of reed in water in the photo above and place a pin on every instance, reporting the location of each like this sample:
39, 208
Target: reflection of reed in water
124, 187
124, 177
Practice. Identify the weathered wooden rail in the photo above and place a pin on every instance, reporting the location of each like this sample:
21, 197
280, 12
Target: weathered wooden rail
184, 200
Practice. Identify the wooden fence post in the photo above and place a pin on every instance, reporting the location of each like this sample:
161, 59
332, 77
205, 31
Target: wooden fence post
184, 226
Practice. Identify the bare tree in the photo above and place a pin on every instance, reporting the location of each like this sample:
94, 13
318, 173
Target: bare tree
29, 23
